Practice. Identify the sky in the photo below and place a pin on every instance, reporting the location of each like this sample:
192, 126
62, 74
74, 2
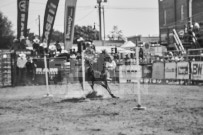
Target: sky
133, 17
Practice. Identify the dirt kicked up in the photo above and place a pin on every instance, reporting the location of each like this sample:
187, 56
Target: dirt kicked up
171, 110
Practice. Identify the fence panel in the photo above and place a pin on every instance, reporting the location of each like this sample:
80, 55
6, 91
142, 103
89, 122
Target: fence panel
158, 70
39, 72
183, 71
5, 68
170, 70
146, 71
197, 70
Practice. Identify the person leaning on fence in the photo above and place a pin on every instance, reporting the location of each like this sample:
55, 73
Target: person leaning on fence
22, 43
52, 50
78, 56
30, 68
127, 60
58, 46
110, 66
35, 45
15, 45
21, 64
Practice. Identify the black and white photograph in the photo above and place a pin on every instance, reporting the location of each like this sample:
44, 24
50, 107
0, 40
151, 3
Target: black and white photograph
101, 67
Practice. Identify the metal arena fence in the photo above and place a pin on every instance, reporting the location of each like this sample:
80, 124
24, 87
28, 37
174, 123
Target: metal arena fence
62, 72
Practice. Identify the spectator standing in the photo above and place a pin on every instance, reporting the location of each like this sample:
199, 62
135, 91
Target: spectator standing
30, 68
110, 66
16, 44
21, 67
58, 46
36, 45
22, 43
127, 60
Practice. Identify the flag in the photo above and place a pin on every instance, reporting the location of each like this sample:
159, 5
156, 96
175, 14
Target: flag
49, 18
22, 13
69, 17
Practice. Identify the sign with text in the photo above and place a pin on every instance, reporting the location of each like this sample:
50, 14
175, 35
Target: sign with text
22, 7
49, 18
70, 9
170, 70
50, 71
130, 73
183, 70
197, 70
69, 23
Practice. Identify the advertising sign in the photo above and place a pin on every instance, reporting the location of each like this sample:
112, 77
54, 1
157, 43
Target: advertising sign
158, 70
22, 7
183, 70
70, 9
69, 23
147, 71
55, 70
49, 18
197, 70
136, 73
122, 74
39, 77
129, 73
170, 70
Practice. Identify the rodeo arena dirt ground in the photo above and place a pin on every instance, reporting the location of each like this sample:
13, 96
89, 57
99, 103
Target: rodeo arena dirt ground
170, 110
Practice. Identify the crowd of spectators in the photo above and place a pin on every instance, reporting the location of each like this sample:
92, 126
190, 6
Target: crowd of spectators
26, 66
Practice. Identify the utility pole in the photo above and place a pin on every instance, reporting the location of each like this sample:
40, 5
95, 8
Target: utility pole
100, 23
39, 27
104, 22
100, 27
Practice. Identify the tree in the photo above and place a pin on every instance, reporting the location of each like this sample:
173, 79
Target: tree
116, 34
87, 32
57, 36
6, 34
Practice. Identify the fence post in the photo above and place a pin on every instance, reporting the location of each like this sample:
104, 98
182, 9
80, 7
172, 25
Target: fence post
83, 70
139, 106
46, 77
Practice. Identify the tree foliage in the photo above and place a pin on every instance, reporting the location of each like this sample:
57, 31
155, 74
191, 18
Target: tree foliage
57, 36
87, 32
6, 34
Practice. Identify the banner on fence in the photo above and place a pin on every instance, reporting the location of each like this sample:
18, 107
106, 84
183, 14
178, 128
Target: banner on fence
55, 70
170, 70
129, 73
147, 71
158, 70
122, 74
39, 71
183, 70
136, 73
197, 70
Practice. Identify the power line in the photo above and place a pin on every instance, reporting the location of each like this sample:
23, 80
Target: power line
85, 16
132, 8
88, 7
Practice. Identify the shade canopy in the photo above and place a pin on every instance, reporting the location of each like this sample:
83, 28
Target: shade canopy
124, 51
128, 44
